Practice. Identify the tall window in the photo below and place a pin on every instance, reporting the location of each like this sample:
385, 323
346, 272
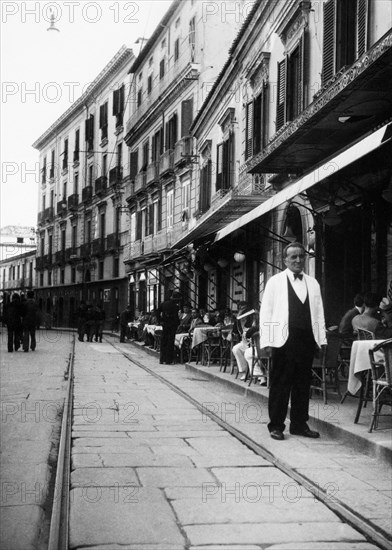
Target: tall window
88, 232
104, 165
145, 156
176, 50
74, 236
77, 146
65, 154
186, 195
63, 239
291, 85
192, 37
139, 96
118, 105
89, 132
51, 173
103, 120
205, 187
119, 155
255, 125
171, 132
345, 36
225, 164
149, 84
64, 191
43, 171
102, 225
162, 68
170, 208
76, 183
90, 174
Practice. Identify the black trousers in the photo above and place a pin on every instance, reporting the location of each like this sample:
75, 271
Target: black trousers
29, 336
167, 344
14, 338
291, 377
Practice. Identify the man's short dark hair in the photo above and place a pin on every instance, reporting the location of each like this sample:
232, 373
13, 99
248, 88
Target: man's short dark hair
370, 299
358, 300
30, 294
293, 245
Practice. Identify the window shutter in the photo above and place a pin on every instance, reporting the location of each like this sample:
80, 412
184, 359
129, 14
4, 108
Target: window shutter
161, 140
362, 27
257, 124
121, 99
186, 116
301, 81
134, 165
249, 130
102, 116
174, 130
329, 39
151, 219
201, 190
219, 174
116, 102
231, 163
153, 148
281, 95
86, 129
138, 225
167, 136
225, 164
159, 220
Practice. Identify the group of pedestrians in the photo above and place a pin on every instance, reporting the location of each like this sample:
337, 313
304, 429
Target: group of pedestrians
22, 318
91, 320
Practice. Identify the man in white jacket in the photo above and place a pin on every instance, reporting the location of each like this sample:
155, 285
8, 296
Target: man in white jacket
291, 324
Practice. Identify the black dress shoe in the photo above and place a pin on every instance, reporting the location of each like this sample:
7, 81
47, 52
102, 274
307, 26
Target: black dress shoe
307, 432
277, 434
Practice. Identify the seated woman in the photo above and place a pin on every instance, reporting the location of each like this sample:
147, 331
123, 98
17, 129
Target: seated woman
185, 319
196, 320
246, 319
250, 356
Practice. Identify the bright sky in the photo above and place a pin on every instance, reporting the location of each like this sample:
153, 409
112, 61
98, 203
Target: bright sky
43, 72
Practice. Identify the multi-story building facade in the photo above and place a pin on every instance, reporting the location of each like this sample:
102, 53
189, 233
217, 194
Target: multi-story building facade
170, 80
82, 225
16, 240
293, 144
17, 274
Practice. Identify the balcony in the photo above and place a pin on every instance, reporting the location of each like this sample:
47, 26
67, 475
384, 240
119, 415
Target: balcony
152, 173
115, 175
40, 217
73, 201
166, 163
140, 181
98, 247
39, 263
87, 193
182, 150
129, 190
112, 242
48, 214
133, 250
85, 250
59, 257
101, 184
61, 207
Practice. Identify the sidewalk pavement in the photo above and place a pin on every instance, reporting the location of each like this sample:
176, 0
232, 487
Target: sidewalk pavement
150, 470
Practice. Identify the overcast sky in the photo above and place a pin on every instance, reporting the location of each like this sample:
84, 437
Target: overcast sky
43, 72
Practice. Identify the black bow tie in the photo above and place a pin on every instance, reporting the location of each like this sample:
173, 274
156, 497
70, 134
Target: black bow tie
298, 276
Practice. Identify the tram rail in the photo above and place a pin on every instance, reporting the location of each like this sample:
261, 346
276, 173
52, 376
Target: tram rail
58, 539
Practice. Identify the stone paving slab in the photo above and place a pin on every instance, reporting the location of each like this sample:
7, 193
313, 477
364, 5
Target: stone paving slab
250, 506
104, 477
174, 477
141, 517
275, 532
128, 460
323, 546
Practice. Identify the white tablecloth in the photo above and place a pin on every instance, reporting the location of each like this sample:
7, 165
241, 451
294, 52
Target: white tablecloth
151, 329
200, 334
179, 339
360, 361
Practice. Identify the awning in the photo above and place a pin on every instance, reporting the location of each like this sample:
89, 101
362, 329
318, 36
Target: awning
318, 175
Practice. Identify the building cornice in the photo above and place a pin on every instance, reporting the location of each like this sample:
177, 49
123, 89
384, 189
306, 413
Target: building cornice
122, 58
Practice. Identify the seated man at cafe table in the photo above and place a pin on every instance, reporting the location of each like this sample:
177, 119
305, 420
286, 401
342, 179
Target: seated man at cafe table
384, 330
345, 325
368, 319
185, 319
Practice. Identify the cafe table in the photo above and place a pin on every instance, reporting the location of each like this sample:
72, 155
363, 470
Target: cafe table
200, 334
360, 362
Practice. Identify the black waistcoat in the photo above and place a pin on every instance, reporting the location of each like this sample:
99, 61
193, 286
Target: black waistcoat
299, 313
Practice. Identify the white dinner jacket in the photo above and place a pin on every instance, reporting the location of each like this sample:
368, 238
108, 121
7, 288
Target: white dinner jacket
274, 311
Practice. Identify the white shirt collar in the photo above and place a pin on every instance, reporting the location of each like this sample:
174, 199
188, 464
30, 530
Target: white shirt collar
290, 275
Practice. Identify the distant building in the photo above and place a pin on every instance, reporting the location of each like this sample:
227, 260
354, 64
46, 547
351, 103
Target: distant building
15, 240
81, 222
17, 274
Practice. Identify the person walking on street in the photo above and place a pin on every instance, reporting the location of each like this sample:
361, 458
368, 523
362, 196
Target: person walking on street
82, 315
168, 315
12, 318
292, 325
99, 322
30, 317
125, 318
90, 322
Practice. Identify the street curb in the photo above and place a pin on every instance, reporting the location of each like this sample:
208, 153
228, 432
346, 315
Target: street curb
328, 429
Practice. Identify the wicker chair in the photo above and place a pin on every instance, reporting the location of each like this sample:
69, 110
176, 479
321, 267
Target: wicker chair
382, 381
